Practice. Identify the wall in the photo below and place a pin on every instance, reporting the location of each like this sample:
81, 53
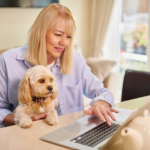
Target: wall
15, 23
81, 12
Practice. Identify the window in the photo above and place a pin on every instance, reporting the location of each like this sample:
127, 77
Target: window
134, 35
126, 37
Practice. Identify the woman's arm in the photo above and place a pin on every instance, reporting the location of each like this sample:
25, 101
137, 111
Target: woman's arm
9, 119
6, 116
102, 98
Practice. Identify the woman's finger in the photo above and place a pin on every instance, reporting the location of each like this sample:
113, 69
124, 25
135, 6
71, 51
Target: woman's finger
98, 112
105, 114
114, 110
89, 111
111, 115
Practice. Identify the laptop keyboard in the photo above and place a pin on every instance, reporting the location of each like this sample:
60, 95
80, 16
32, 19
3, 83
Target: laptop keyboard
96, 135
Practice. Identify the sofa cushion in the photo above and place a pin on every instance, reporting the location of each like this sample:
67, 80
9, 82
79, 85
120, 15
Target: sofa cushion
100, 68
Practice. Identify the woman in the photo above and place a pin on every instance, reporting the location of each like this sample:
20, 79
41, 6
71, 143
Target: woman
50, 44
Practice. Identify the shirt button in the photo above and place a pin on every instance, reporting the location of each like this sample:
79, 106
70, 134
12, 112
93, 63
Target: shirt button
60, 99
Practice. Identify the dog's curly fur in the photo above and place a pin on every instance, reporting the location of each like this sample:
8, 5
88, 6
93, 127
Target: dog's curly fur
37, 82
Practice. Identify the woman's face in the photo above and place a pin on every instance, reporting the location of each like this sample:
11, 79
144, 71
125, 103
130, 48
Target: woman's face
57, 40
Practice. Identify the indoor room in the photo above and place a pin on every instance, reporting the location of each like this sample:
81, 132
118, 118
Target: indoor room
109, 81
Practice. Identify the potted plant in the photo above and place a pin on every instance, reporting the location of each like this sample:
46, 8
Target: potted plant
138, 36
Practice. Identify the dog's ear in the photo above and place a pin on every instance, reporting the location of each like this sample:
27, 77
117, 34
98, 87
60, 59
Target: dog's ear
24, 94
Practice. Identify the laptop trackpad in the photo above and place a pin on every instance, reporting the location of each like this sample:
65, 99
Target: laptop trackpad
76, 127
83, 124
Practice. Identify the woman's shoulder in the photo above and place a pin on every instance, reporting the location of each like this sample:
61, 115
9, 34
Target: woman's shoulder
14, 52
78, 55
78, 60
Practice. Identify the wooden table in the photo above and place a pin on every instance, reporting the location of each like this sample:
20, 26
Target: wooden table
16, 138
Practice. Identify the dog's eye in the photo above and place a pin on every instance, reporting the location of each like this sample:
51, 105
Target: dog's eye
51, 80
41, 80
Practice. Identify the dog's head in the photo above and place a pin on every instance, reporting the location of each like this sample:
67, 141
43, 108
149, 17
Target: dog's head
37, 82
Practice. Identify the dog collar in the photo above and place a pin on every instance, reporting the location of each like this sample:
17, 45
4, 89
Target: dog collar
38, 98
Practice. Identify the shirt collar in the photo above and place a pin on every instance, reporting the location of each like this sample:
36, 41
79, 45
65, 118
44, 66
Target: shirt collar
58, 61
20, 56
22, 51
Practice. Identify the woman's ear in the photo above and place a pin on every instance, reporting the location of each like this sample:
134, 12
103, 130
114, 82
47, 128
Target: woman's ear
24, 94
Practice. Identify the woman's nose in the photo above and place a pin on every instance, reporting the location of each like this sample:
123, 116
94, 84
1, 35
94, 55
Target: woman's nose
64, 41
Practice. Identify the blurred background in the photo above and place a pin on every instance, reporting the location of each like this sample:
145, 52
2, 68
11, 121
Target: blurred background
115, 30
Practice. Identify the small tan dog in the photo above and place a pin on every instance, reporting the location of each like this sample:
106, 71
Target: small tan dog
36, 95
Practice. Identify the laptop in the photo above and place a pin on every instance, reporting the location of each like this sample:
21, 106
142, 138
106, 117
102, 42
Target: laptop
90, 133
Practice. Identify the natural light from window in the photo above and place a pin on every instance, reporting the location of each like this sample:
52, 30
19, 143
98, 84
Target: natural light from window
134, 35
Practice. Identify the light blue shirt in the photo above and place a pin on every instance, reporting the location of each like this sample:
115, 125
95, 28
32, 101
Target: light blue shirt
70, 87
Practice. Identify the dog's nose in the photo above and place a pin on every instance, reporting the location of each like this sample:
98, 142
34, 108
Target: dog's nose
50, 88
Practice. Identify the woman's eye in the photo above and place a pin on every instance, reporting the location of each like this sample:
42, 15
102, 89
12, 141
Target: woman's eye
41, 81
51, 80
58, 34
69, 37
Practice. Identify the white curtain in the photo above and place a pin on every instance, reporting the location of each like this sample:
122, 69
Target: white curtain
130, 7
100, 15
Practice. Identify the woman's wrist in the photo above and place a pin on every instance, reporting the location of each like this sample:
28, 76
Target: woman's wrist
9, 120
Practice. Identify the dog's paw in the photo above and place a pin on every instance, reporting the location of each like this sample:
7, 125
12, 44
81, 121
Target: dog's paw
52, 120
16, 120
25, 122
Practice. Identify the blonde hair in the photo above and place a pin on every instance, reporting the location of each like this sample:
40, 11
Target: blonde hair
46, 20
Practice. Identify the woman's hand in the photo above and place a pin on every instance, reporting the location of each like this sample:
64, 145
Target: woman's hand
38, 117
42, 115
9, 119
103, 110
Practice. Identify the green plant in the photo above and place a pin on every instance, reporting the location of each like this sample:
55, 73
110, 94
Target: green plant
138, 36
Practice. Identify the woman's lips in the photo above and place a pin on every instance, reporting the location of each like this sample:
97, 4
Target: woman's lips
58, 49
